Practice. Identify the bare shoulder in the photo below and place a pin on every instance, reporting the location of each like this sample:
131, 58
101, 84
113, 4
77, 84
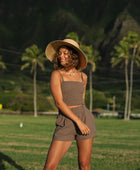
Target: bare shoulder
55, 75
84, 76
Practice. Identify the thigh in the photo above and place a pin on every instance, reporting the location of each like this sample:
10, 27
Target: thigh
57, 151
85, 149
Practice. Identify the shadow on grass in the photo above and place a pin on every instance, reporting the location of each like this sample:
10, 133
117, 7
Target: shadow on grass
5, 158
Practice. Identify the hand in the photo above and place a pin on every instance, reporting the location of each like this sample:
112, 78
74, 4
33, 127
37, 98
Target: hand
83, 128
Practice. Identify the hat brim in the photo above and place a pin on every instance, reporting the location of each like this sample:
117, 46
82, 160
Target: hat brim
53, 47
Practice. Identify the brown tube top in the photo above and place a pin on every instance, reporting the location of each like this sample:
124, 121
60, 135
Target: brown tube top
72, 92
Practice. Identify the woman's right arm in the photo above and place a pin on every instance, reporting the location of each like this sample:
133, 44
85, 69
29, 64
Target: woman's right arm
58, 98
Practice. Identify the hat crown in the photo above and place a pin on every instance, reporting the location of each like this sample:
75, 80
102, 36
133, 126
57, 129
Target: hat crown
70, 41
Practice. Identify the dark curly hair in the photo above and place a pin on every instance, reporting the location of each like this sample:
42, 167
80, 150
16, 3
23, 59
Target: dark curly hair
73, 59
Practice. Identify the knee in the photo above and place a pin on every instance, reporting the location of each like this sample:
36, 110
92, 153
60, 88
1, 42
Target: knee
84, 164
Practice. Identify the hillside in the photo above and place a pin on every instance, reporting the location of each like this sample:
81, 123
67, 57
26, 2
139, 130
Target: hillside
39, 22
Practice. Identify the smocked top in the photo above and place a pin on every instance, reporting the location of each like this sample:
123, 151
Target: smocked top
72, 91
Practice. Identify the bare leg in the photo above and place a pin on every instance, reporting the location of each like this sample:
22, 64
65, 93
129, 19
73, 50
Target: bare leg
84, 153
56, 152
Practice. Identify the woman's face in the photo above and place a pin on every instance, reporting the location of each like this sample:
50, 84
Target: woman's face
63, 56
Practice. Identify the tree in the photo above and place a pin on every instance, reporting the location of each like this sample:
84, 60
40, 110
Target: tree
92, 57
128, 51
122, 56
74, 36
33, 56
134, 41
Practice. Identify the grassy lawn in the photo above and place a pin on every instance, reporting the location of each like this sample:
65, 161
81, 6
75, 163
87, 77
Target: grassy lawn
116, 146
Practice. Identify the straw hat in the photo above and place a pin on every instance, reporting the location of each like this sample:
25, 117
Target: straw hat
53, 47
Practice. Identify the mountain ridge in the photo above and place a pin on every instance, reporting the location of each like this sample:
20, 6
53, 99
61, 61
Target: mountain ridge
102, 24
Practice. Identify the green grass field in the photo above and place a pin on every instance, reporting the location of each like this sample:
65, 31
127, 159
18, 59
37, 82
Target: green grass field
116, 146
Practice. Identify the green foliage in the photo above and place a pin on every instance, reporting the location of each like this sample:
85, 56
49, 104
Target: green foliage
121, 53
46, 91
99, 99
134, 41
2, 64
74, 36
6, 97
33, 56
46, 104
24, 102
125, 49
17, 94
136, 103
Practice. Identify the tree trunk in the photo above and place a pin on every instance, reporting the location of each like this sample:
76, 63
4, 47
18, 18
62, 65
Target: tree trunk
127, 89
90, 87
35, 93
131, 83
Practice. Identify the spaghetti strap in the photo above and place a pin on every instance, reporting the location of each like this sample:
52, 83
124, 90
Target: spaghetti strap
61, 75
82, 76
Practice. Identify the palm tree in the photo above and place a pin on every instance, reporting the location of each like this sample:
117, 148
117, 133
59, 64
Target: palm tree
128, 49
133, 39
92, 57
74, 36
33, 56
122, 56
92, 60
2, 64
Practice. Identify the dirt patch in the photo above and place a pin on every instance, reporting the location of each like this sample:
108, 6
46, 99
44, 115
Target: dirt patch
24, 151
117, 143
29, 137
2, 123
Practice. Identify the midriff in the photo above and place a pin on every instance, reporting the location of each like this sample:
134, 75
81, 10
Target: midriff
75, 106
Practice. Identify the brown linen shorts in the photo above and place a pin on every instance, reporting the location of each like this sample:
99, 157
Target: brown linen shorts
67, 130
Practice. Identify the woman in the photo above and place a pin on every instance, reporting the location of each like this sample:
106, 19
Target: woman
68, 87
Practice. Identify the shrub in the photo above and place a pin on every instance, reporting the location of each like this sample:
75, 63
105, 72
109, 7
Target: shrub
99, 99
24, 103
21, 102
46, 103
7, 97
